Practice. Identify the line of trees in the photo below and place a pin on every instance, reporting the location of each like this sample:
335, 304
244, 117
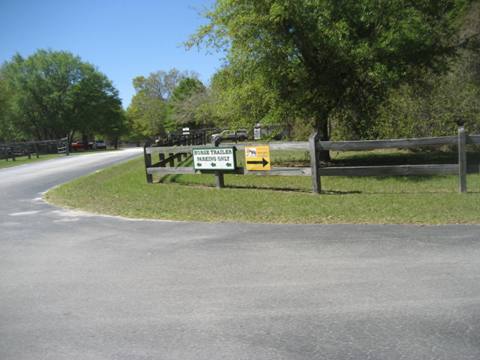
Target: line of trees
165, 101
349, 69
340, 66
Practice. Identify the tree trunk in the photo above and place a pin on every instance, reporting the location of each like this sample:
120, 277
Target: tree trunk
322, 129
85, 141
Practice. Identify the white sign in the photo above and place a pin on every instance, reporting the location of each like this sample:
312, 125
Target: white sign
257, 133
214, 158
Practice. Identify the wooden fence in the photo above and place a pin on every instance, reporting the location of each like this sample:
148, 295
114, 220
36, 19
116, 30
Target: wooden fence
195, 137
172, 158
36, 148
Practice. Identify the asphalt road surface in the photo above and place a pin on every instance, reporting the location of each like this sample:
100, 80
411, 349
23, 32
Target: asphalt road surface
74, 286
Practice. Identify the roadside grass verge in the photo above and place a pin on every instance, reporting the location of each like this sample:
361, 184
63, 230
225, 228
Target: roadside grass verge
21, 160
122, 190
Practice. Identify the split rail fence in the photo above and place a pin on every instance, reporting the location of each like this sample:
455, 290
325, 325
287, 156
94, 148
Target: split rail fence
171, 159
36, 148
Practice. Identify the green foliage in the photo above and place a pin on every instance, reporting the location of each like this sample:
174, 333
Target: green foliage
241, 101
147, 115
431, 110
433, 106
54, 94
325, 58
186, 88
7, 128
191, 104
150, 113
160, 84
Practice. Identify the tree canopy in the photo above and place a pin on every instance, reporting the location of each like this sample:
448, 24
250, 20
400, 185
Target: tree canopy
164, 101
54, 94
318, 58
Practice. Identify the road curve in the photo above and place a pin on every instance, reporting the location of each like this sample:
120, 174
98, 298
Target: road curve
76, 286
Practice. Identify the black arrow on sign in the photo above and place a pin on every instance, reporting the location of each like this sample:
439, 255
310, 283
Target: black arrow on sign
263, 162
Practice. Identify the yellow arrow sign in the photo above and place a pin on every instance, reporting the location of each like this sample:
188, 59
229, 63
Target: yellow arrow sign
257, 158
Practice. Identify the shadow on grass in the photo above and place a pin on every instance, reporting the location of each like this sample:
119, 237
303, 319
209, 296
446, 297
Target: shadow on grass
329, 192
411, 179
270, 188
265, 188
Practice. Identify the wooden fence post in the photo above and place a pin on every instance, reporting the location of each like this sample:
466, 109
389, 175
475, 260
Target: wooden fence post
36, 149
219, 179
67, 147
462, 160
314, 162
148, 163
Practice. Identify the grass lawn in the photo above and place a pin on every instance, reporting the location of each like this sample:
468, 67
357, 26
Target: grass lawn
20, 160
122, 190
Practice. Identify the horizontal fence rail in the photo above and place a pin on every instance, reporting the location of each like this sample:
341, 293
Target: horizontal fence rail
171, 159
385, 144
390, 170
393, 144
292, 145
473, 139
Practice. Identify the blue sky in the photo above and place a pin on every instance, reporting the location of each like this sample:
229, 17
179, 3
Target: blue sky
123, 38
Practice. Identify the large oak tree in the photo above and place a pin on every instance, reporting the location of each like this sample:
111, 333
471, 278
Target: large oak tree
323, 56
55, 94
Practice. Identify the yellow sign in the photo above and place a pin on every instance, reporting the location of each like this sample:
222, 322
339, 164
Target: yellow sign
257, 157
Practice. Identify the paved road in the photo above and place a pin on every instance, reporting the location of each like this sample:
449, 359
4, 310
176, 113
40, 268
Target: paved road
88, 287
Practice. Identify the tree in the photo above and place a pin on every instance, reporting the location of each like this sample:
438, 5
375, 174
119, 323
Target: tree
55, 94
321, 57
241, 101
161, 84
190, 104
149, 113
7, 131
433, 106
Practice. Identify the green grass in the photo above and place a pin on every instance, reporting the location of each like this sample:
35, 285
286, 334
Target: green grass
21, 160
122, 190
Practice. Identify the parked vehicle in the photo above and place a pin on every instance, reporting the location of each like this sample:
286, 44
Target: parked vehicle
77, 145
99, 144
234, 135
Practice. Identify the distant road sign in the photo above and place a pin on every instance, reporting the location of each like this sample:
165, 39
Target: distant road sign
214, 158
257, 158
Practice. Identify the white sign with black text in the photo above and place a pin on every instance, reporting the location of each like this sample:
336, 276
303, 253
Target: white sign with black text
214, 158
